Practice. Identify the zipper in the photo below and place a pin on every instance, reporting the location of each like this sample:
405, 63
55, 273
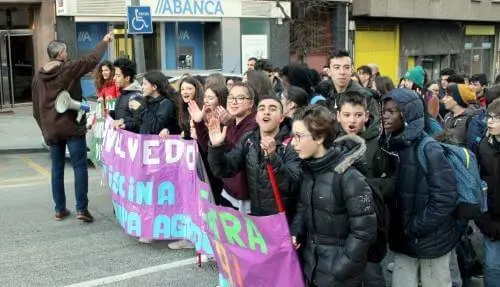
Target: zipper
312, 206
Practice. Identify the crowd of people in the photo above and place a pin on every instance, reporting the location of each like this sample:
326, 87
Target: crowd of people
344, 145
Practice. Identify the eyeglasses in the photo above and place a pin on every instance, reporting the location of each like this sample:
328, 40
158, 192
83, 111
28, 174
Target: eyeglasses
494, 118
238, 100
298, 136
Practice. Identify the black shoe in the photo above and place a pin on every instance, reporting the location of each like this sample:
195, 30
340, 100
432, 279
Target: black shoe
62, 215
85, 216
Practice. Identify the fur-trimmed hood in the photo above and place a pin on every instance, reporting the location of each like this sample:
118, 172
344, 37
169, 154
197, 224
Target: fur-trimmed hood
347, 151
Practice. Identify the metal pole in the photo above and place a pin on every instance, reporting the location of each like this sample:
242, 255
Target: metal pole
140, 61
176, 45
347, 26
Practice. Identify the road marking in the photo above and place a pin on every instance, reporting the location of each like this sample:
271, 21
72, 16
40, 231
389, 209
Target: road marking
35, 166
23, 179
39, 182
135, 273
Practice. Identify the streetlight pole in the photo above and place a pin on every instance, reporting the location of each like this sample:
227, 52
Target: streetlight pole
140, 60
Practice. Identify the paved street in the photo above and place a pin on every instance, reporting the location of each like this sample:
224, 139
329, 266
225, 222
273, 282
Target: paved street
36, 250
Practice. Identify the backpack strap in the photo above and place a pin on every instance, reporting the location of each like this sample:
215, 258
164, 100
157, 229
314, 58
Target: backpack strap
421, 153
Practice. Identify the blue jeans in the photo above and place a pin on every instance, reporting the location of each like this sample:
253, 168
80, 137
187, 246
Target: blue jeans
491, 263
78, 153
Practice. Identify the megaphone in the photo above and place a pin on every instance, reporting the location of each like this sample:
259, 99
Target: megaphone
64, 102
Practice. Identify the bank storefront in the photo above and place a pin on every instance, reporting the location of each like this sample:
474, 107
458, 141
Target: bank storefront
188, 34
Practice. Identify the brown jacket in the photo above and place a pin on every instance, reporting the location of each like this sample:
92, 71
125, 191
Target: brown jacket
48, 81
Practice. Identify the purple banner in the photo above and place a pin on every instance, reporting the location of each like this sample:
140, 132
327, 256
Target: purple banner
252, 251
157, 194
154, 186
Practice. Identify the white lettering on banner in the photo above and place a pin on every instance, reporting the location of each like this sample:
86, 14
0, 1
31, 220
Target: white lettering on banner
84, 36
190, 7
175, 150
147, 152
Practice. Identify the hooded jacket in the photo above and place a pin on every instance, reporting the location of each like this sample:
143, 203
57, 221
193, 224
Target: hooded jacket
335, 220
157, 114
489, 162
378, 169
248, 156
53, 78
373, 105
422, 222
122, 111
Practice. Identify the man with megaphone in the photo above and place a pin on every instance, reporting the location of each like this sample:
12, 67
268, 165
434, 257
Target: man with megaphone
60, 113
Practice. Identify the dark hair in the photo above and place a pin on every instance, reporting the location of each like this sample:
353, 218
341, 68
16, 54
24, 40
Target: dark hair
249, 89
497, 80
163, 87
339, 53
456, 79
259, 81
447, 72
481, 78
494, 106
354, 98
200, 79
198, 98
252, 59
384, 84
264, 65
277, 70
274, 98
298, 96
215, 78
319, 121
365, 70
127, 67
98, 79
299, 74
492, 94
220, 91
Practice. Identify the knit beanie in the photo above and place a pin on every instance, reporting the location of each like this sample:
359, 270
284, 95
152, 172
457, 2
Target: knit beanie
416, 75
462, 94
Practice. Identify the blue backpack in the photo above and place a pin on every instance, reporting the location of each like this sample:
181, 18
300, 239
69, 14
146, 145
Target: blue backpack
433, 127
476, 130
466, 172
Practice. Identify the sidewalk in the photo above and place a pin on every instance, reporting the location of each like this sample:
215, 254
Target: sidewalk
19, 132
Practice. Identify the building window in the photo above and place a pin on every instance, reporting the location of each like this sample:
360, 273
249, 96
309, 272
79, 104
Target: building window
311, 31
478, 54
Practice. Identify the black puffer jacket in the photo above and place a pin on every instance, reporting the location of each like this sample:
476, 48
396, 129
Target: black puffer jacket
156, 114
248, 154
122, 111
422, 220
489, 161
335, 220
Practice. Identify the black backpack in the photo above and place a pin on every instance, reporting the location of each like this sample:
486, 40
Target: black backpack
378, 249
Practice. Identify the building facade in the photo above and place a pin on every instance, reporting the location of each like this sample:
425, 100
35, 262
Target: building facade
437, 34
188, 34
26, 28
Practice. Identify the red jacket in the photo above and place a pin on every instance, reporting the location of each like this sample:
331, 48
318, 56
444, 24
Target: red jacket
109, 90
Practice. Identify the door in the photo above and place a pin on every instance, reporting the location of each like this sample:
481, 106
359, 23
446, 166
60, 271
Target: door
380, 47
17, 66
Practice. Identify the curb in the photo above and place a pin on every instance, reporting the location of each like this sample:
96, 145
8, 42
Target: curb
22, 151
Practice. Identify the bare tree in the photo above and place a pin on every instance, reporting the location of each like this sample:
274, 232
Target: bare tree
310, 29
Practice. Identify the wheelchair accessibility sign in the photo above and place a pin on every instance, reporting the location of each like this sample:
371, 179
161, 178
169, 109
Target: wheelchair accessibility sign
139, 20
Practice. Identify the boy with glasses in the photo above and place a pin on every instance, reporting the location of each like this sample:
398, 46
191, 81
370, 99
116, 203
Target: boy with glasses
489, 221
